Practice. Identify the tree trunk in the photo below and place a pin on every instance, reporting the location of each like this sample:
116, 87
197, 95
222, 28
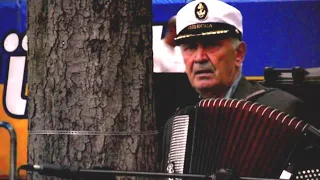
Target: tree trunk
90, 95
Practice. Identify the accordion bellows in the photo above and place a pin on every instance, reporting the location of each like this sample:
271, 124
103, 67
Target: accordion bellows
252, 139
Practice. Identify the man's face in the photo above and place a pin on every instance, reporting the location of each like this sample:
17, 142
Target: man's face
211, 65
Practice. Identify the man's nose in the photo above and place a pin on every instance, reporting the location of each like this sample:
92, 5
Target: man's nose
200, 56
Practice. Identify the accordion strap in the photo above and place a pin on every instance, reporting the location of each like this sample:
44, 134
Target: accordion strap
258, 93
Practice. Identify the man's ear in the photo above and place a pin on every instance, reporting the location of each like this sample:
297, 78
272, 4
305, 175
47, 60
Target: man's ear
240, 53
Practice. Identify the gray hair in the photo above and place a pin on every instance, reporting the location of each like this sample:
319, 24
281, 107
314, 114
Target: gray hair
235, 43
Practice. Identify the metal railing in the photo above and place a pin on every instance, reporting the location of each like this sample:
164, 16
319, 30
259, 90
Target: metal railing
13, 149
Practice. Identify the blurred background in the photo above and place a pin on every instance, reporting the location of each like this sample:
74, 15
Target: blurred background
282, 34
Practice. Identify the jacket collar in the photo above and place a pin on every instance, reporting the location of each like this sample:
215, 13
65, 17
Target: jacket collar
245, 88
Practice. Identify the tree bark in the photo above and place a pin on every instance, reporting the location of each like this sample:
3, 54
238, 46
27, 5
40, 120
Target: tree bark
90, 84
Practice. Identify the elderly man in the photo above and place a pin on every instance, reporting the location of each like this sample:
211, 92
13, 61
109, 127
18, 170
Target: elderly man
210, 35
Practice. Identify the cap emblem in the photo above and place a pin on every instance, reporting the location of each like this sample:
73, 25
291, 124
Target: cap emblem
201, 11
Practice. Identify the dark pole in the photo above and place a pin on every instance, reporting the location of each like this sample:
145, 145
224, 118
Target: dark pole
76, 172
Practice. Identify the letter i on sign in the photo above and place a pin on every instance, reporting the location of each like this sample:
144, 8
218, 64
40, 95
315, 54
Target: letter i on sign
15, 101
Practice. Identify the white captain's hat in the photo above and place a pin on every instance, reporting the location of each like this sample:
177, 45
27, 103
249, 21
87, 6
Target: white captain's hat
203, 18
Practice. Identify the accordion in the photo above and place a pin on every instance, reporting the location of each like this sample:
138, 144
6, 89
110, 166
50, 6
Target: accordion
252, 139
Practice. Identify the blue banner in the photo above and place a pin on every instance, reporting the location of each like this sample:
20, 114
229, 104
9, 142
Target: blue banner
278, 33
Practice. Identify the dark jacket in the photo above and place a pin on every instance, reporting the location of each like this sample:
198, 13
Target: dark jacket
251, 91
